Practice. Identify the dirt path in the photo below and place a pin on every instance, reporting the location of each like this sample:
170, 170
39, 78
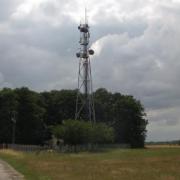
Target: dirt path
8, 173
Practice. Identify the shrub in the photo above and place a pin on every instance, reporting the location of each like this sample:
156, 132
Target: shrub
75, 132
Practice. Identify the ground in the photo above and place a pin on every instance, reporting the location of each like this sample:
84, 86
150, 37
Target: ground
152, 163
8, 173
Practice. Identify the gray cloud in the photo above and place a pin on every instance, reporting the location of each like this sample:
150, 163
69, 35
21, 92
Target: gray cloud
7, 8
136, 44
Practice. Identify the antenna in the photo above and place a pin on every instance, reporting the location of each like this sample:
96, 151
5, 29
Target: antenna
85, 13
86, 19
85, 101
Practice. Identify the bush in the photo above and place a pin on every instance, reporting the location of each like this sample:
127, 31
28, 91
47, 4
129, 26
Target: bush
101, 133
75, 132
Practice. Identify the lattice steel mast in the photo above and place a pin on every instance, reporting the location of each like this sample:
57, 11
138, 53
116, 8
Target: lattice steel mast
85, 103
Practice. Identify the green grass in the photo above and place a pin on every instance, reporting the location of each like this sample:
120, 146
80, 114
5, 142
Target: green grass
115, 164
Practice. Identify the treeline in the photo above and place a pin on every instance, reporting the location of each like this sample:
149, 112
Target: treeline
175, 142
34, 114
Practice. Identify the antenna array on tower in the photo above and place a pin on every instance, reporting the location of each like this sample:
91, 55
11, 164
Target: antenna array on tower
85, 103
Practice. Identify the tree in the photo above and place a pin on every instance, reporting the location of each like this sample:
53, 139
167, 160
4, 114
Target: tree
59, 105
101, 134
75, 132
30, 126
125, 114
103, 105
8, 106
129, 121
35, 112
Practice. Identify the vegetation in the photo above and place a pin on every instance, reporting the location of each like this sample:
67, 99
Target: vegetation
76, 132
148, 164
36, 112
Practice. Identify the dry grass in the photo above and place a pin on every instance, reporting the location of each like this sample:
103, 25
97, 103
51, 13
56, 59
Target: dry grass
9, 152
163, 146
118, 164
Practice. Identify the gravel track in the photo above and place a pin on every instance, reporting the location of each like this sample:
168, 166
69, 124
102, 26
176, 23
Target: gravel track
9, 173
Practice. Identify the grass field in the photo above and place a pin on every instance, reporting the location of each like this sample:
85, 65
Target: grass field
153, 163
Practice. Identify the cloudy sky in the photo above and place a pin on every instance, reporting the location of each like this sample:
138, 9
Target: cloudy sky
137, 45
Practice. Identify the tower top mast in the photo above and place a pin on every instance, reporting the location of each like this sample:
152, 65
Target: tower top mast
86, 18
84, 103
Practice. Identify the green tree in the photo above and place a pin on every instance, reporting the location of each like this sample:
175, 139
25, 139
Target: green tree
59, 105
129, 121
125, 114
30, 126
8, 107
103, 105
100, 133
35, 112
76, 132
73, 132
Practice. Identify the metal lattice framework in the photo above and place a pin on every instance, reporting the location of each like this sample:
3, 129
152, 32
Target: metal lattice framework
85, 103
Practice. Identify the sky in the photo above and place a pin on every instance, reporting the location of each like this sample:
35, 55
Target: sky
136, 43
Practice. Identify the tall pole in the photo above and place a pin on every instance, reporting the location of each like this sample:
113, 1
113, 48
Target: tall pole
85, 102
13, 119
14, 133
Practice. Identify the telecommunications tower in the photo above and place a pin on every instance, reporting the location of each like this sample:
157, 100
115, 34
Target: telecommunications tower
84, 102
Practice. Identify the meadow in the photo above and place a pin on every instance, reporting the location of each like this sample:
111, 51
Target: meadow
152, 163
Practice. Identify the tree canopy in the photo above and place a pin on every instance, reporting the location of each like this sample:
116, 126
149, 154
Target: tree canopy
75, 132
36, 112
